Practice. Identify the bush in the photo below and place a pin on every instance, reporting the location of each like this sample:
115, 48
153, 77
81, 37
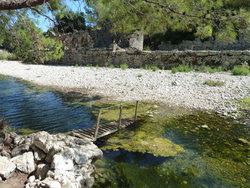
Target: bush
30, 45
241, 70
139, 75
123, 66
5, 55
214, 83
182, 68
210, 69
153, 68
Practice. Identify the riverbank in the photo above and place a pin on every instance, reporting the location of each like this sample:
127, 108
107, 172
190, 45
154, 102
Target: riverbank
180, 89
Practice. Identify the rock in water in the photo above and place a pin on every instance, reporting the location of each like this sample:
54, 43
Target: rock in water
6, 167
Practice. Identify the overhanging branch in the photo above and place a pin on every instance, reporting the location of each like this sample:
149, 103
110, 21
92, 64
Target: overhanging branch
19, 4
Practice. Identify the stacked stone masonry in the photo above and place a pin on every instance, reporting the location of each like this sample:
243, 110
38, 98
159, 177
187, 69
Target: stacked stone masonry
162, 59
95, 48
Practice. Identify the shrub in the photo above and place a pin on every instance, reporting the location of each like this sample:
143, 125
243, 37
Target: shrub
182, 68
241, 70
139, 75
210, 69
5, 55
150, 67
30, 45
214, 83
111, 66
123, 66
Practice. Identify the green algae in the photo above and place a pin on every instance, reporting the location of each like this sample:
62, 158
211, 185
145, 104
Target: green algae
145, 137
244, 103
146, 144
212, 135
110, 110
216, 153
25, 131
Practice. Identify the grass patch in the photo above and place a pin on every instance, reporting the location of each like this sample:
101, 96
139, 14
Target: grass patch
243, 70
214, 83
139, 75
111, 66
150, 67
245, 103
210, 69
124, 66
182, 68
5, 55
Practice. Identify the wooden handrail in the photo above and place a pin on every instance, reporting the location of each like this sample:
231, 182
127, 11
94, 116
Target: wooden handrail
97, 125
136, 110
120, 117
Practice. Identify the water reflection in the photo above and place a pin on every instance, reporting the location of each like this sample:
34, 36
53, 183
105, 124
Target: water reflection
26, 106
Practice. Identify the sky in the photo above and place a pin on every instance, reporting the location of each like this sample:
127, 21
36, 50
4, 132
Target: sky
44, 23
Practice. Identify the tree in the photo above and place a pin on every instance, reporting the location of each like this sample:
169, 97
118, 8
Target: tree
221, 19
30, 45
68, 21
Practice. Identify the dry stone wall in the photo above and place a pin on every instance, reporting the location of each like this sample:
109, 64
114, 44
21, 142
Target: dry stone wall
97, 48
163, 59
207, 45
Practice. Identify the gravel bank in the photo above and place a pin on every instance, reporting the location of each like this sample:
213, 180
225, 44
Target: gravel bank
180, 89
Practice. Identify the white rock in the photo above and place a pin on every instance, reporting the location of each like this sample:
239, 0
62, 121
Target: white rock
51, 183
204, 127
6, 167
43, 141
31, 179
62, 163
25, 162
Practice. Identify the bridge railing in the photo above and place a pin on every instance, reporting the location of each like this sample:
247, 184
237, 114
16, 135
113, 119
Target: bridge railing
120, 116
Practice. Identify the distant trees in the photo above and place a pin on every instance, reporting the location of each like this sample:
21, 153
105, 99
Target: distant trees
68, 21
223, 20
30, 45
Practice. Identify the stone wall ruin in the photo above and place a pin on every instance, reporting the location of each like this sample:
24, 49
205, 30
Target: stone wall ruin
96, 48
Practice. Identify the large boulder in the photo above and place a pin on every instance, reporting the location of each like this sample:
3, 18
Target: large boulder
6, 167
25, 162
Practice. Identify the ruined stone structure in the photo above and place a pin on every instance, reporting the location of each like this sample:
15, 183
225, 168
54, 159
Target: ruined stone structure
103, 49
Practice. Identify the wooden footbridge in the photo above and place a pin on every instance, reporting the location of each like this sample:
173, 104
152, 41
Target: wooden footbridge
102, 130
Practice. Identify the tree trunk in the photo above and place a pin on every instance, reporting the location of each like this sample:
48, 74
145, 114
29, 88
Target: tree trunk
18, 4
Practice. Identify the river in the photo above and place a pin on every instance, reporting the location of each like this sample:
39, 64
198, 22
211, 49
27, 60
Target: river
167, 148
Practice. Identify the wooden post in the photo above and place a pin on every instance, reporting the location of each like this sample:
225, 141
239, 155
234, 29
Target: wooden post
97, 125
120, 117
136, 110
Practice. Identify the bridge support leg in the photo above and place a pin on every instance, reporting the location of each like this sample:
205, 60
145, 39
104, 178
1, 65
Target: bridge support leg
136, 110
97, 125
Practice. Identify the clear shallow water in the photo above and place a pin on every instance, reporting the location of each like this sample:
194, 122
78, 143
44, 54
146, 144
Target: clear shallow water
213, 157
29, 107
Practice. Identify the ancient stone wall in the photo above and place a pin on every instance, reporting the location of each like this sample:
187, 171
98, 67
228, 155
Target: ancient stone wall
207, 45
163, 59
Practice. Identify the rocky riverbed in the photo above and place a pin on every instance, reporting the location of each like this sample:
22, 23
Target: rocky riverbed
180, 89
45, 160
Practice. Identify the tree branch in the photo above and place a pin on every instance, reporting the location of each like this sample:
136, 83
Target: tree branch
42, 14
169, 9
18, 4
